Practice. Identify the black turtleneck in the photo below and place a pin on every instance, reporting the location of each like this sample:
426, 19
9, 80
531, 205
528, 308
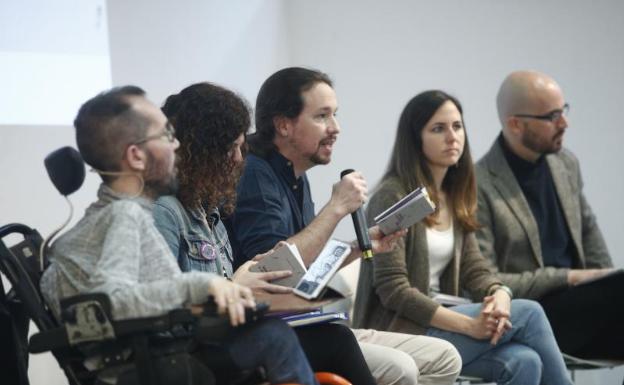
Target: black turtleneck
538, 187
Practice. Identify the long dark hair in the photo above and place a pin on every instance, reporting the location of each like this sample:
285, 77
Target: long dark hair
208, 119
280, 95
409, 164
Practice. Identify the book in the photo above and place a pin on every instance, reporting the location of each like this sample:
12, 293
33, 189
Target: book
314, 281
314, 317
410, 209
286, 257
289, 303
449, 300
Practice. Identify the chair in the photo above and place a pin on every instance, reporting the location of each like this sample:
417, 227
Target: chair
575, 363
135, 351
91, 329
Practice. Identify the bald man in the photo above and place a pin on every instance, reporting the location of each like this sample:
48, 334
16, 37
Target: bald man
537, 225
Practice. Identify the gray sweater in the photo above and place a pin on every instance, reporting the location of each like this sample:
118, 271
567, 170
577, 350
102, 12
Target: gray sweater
115, 249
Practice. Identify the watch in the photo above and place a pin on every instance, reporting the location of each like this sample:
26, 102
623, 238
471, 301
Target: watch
504, 288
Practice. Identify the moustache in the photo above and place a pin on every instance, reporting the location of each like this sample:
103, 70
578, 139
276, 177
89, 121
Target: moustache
328, 140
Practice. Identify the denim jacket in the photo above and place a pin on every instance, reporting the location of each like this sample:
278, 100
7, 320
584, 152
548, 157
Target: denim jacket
198, 239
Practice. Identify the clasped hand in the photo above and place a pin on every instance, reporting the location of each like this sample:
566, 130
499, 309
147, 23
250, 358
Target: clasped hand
493, 320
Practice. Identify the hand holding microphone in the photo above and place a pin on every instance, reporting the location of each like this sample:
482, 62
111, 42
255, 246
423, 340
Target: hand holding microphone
361, 227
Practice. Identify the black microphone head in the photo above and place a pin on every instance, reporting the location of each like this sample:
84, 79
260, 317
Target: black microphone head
345, 172
66, 169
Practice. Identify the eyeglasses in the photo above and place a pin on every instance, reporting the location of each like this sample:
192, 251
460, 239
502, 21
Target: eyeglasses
169, 134
552, 116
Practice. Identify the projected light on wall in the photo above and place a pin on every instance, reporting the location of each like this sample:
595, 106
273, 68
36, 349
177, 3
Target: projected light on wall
53, 56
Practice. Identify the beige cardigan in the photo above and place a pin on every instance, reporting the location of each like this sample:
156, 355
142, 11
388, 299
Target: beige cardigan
393, 287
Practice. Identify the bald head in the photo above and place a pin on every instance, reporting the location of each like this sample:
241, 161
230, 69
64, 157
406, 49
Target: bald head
524, 92
531, 109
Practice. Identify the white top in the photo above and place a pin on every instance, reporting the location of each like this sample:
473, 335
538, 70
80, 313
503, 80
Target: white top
440, 246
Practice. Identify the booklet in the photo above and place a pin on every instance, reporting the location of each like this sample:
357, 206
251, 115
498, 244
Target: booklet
286, 257
322, 269
314, 317
410, 209
449, 300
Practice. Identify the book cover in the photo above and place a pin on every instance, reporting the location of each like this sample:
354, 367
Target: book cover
322, 269
411, 209
286, 257
449, 300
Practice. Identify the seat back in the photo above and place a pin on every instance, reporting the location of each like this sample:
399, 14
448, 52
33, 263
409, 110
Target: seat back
19, 263
575, 363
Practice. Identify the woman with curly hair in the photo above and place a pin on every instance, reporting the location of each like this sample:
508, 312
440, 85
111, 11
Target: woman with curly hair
211, 123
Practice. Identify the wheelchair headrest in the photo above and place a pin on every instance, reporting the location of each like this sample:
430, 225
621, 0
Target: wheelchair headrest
66, 169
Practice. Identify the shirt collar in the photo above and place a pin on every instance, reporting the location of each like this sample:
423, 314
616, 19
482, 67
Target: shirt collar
212, 217
107, 195
284, 167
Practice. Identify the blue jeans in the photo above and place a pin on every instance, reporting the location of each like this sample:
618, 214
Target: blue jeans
526, 355
269, 343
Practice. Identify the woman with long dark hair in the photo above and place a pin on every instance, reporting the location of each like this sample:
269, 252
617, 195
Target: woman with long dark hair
502, 340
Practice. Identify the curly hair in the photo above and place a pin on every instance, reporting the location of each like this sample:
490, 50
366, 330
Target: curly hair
208, 119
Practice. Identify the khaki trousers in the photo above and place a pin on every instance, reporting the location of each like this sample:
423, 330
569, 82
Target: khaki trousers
406, 359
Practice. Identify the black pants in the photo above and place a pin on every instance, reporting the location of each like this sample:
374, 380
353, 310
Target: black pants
333, 348
588, 320
327, 347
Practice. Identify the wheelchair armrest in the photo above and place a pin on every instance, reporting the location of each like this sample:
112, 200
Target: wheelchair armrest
87, 318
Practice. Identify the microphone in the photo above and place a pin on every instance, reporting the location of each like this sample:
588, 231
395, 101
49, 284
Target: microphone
361, 227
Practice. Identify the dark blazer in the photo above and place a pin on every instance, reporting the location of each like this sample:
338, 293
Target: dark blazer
393, 287
509, 236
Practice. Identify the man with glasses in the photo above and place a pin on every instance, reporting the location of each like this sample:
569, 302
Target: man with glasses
537, 226
115, 248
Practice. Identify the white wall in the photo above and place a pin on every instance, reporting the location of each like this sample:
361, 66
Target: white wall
161, 46
380, 54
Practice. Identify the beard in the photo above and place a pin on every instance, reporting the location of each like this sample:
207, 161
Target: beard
533, 142
317, 158
159, 178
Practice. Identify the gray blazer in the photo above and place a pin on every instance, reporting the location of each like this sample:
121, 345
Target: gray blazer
509, 236
393, 287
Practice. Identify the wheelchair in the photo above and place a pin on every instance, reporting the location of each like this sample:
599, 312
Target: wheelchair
90, 347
